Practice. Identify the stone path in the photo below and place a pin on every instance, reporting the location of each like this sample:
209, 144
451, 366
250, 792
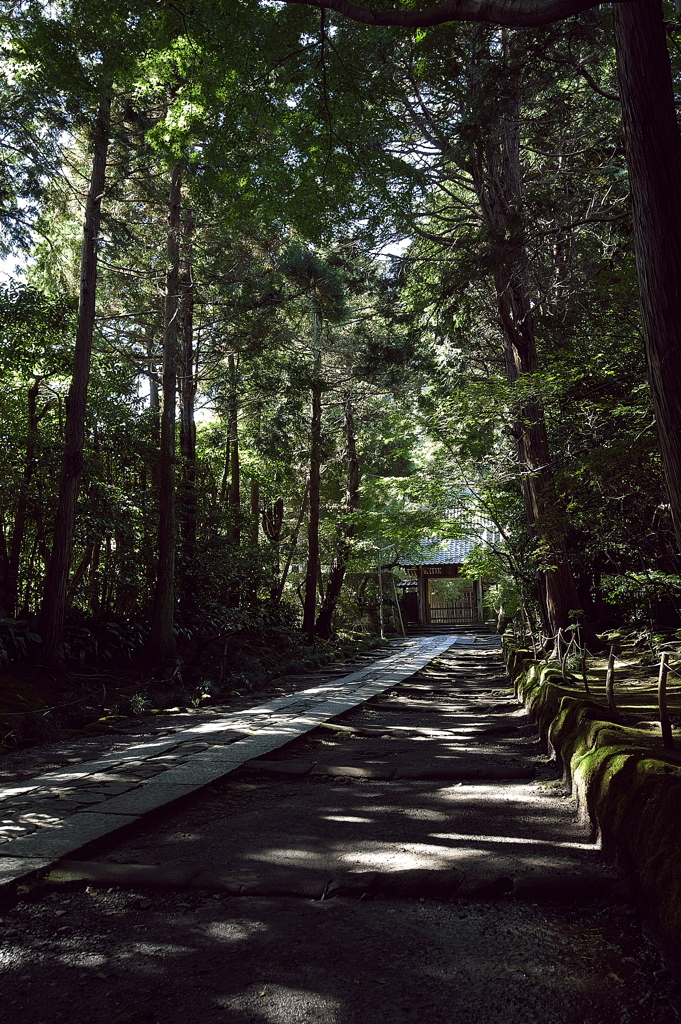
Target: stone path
56, 813
415, 859
437, 787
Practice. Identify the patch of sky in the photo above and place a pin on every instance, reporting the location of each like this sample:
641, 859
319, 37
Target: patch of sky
12, 268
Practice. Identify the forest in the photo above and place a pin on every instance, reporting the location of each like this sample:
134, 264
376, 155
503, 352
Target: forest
290, 286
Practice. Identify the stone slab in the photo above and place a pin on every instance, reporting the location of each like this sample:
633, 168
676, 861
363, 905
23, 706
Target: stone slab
212, 732
353, 772
148, 798
70, 835
14, 868
264, 881
216, 754
263, 742
194, 774
69, 872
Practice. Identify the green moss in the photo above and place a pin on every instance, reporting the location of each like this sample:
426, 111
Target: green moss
623, 778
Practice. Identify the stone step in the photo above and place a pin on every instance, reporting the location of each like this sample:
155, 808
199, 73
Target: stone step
484, 880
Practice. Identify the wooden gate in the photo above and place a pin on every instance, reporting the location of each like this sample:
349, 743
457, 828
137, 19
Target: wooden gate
443, 610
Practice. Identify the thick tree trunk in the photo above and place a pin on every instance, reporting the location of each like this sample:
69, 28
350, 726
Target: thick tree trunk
345, 533
56, 582
188, 496
497, 174
312, 568
161, 642
653, 150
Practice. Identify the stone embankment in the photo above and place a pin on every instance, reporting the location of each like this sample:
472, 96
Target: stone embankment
626, 784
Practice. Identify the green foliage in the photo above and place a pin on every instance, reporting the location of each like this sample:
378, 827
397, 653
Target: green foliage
637, 593
306, 148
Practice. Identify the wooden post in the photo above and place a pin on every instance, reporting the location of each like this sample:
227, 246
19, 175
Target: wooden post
610, 682
563, 662
585, 679
399, 610
665, 724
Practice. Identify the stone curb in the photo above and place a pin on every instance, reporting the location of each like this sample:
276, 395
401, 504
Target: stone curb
626, 786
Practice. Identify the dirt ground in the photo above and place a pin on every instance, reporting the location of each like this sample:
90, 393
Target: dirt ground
155, 957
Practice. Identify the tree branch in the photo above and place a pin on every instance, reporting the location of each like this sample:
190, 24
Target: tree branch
515, 13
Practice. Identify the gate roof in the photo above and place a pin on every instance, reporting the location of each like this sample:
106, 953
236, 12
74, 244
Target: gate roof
440, 552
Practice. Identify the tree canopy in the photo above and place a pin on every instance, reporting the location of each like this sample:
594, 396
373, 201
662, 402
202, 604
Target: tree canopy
304, 288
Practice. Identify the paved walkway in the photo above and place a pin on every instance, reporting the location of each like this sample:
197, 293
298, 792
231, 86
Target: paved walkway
56, 813
438, 787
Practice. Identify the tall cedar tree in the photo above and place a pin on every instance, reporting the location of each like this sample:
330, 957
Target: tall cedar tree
653, 147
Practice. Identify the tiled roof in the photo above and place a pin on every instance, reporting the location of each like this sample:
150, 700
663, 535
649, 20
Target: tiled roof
441, 552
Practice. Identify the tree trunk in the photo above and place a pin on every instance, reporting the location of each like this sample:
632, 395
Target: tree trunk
345, 533
161, 642
9, 595
653, 150
93, 582
312, 568
78, 576
4, 565
235, 476
188, 497
277, 593
224, 479
56, 582
272, 522
255, 491
497, 175
255, 512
